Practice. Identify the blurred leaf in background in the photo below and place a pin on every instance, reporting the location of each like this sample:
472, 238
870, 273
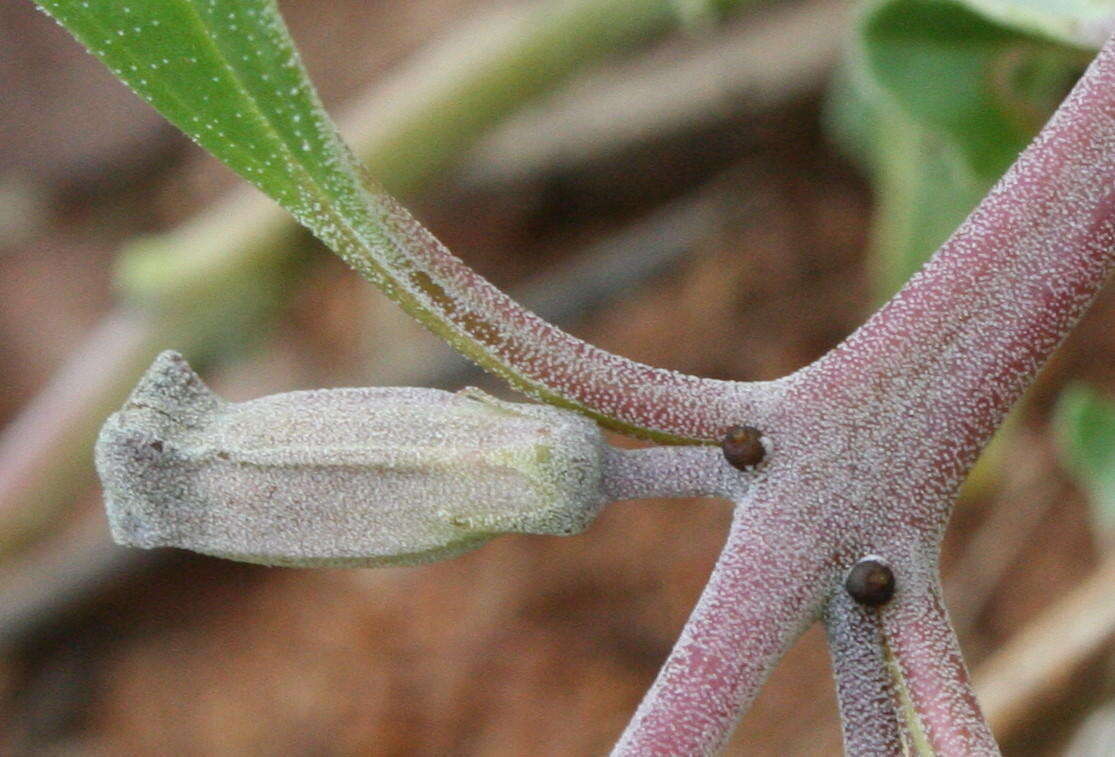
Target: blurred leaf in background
936, 99
1084, 424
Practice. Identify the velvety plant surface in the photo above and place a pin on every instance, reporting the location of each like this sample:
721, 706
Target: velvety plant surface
861, 452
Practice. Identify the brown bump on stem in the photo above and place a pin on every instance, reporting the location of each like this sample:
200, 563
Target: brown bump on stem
870, 582
743, 446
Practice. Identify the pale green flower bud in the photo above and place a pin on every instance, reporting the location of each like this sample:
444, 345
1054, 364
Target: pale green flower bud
340, 476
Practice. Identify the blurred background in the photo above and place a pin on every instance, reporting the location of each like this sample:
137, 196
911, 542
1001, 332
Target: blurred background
724, 188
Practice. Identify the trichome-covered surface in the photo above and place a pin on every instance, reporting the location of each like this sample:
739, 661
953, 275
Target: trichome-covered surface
871, 443
228, 75
868, 447
361, 476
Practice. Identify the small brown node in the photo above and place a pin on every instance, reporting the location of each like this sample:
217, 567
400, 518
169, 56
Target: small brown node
743, 446
870, 582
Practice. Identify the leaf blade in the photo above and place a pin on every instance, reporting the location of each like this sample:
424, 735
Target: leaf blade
230, 77
1084, 425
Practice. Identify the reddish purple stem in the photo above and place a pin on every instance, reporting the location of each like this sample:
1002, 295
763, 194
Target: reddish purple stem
935, 678
867, 445
542, 360
865, 690
871, 442
748, 615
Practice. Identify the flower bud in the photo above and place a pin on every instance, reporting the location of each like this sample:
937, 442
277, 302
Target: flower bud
381, 476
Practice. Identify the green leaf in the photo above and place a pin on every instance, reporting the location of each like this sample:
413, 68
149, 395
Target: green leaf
946, 99
226, 72
923, 186
227, 75
1084, 424
986, 87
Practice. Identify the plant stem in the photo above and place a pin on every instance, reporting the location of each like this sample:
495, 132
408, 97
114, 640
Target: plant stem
925, 657
958, 345
872, 440
865, 689
407, 129
695, 471
747, 616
